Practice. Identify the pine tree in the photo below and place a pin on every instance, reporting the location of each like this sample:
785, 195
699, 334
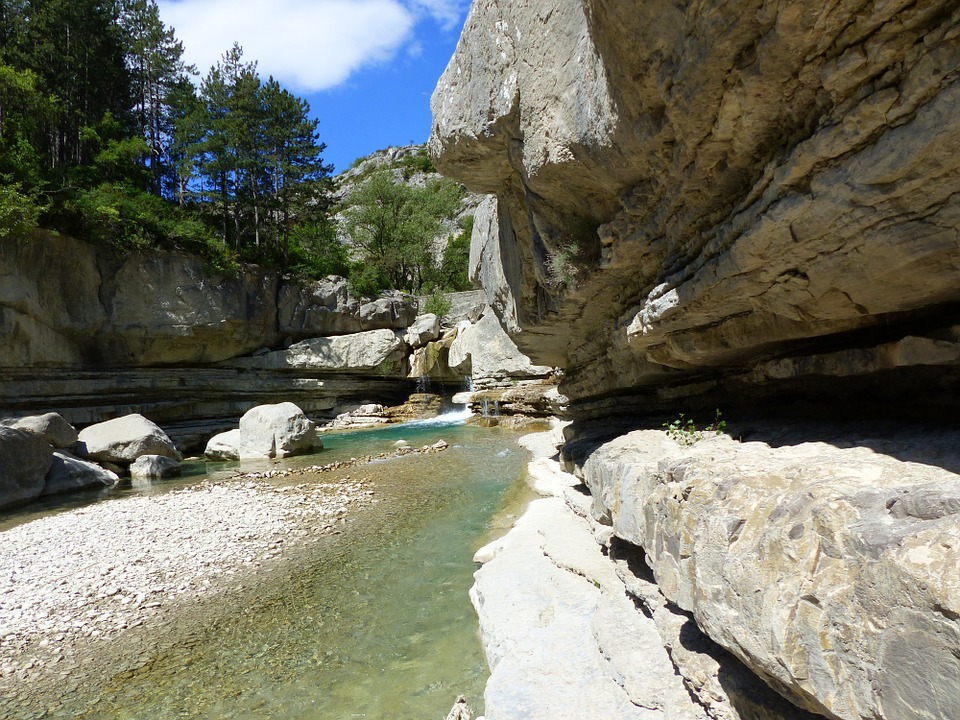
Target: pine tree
154, 59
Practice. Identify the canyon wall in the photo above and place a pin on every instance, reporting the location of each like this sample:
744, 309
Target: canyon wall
716, 201
751, 206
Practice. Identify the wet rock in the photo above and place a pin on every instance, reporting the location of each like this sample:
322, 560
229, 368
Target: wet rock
154, 467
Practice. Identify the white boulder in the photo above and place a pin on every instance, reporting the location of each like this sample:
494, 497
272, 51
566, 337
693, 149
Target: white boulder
225, 446
424, 329
280, 430
124, 439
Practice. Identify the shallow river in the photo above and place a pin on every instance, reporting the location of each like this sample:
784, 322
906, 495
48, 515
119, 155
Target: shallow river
372, 623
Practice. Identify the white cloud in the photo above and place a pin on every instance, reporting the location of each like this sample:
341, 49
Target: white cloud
309, 45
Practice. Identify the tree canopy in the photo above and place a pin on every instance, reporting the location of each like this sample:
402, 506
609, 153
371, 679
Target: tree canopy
106, 133
394, 226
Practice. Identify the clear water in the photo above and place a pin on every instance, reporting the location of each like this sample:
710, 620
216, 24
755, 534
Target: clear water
373, 623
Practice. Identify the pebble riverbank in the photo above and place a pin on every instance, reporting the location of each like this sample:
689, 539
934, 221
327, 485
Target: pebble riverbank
93, 593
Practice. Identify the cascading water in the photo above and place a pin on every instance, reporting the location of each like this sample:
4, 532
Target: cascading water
491, 409
423, 383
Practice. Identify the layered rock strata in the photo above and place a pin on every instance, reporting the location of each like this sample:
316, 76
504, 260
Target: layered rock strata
571, 630
696, 200
827, 566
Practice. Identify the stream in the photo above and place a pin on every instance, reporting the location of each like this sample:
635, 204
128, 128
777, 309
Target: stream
374, 622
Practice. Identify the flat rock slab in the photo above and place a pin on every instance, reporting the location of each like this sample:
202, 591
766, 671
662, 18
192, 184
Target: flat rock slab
551, 611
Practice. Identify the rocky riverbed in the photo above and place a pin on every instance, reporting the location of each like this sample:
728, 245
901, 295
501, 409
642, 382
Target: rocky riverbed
90, 593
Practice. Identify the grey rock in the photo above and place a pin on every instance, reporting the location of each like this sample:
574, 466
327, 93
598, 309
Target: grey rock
51, 427
395, 311
485, 351
825, 568
49, 301
276, 431
124, 439
24, 461
154, 467
324, 307
562, 639
68, 473
675, 197
382, 351
424, 329
224, 446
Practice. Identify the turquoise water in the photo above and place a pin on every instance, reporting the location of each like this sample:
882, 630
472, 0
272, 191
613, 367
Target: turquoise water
373, 623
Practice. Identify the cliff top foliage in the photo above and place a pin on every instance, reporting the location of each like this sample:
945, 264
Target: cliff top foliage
108, 135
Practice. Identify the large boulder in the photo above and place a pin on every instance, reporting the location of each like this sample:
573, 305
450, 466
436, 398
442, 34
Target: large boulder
380, 351
424, 329
51, 427
394, 311
311, 309
69, 473
485, 351
24, 461
124, 439
276, 431
828, 568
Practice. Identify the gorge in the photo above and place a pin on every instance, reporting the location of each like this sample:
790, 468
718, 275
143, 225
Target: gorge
749, 207
732, 232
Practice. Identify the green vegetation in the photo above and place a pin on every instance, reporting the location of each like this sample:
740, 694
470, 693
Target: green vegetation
393, 227
108, 135
438, 304
684, 431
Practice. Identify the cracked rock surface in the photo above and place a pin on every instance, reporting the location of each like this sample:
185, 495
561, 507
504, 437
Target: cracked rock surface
570, 632
690, 191
825, 561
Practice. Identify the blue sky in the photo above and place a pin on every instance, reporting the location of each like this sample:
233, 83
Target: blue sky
367, 67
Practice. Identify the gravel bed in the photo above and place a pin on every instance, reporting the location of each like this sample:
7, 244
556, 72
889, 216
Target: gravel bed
76, 579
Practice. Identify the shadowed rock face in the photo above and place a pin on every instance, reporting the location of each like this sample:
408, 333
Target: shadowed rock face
715, 196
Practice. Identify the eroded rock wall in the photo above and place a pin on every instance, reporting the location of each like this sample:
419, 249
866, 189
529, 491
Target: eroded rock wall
688, 193
827, 566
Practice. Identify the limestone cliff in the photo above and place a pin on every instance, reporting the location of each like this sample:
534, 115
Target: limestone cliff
730, 199
752, 206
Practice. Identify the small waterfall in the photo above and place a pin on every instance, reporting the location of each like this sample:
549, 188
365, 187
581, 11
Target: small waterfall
491, 409
423, 383
467, 384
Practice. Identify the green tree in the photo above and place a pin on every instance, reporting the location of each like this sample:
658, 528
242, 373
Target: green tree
259, 158
394, 227
158, 72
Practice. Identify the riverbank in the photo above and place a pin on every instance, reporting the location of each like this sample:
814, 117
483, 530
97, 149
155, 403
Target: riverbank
84, 584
